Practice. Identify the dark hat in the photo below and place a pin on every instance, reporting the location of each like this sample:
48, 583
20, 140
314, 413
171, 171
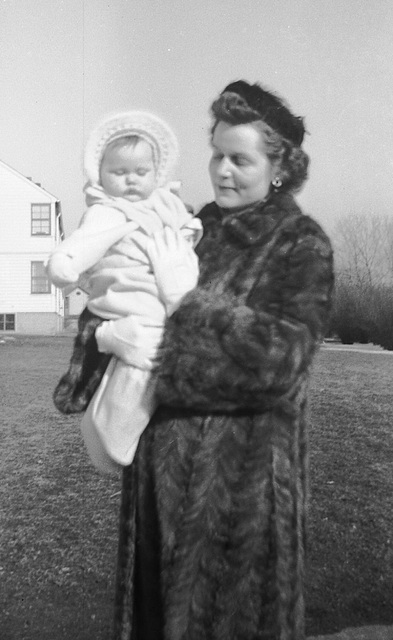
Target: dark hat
271, 109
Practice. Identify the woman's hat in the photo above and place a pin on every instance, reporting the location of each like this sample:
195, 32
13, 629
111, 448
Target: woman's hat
132, 123
271, 110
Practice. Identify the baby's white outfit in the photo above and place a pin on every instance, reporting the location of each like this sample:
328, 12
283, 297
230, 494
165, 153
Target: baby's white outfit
108, 256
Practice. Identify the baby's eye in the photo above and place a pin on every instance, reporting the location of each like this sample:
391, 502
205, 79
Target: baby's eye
119, 172
142, 172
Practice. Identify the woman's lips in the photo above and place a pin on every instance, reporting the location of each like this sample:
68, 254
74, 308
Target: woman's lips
225, 187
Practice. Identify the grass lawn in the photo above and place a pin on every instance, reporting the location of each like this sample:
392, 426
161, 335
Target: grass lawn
59, 517
350, 576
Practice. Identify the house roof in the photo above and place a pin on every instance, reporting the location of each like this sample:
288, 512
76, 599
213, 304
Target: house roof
40, 189
79, 288
28, 180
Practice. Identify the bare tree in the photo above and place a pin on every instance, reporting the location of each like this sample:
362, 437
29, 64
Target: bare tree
364, 278
364, 249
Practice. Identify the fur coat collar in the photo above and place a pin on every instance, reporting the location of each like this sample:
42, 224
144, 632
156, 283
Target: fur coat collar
249, 225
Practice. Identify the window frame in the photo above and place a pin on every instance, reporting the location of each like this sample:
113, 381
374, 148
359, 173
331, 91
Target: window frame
36, 279
41, 220
3, 321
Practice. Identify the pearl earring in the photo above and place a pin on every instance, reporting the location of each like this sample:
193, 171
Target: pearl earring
277, 182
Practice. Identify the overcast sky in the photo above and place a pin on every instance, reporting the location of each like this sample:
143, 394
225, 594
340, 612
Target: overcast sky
64, 64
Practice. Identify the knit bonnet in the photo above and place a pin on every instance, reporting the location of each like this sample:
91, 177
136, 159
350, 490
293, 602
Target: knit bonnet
146, 126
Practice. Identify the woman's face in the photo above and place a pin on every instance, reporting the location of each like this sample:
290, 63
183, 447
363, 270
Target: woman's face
240, 170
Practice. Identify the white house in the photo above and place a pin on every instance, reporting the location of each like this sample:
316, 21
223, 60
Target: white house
30, 228
75, 302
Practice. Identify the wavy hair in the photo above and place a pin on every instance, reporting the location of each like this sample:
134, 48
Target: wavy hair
290, 159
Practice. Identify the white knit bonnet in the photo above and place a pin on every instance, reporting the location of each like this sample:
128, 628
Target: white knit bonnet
132, 123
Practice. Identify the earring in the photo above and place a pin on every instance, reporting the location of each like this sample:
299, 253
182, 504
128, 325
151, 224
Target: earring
277, 183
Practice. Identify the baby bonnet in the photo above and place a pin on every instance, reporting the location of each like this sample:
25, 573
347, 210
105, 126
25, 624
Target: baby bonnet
145, 125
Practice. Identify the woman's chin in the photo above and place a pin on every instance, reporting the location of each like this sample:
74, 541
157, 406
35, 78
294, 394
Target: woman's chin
228, 199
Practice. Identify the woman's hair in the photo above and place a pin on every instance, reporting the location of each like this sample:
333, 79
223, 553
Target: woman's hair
292, 161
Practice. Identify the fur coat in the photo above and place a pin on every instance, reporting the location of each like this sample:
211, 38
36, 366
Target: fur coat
212, 525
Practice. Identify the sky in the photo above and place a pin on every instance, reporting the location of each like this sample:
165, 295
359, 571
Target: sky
65, 64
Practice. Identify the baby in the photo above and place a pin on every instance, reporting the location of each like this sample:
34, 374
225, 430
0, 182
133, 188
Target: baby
130, 213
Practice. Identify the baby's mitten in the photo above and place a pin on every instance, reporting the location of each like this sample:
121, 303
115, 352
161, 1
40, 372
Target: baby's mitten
60, 269
175, 266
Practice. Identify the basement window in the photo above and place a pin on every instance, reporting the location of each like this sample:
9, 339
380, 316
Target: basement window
7, 321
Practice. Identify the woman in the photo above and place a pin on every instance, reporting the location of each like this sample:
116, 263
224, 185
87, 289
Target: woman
213, 507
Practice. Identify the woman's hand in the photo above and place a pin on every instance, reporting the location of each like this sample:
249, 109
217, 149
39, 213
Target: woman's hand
175, 266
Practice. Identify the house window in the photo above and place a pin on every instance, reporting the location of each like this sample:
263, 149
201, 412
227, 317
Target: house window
39, 279
7, 321
40, 219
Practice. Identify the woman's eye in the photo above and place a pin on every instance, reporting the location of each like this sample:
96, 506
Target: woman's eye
240, 161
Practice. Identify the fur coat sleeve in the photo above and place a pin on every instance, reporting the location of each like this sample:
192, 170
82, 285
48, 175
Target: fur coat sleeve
243, 337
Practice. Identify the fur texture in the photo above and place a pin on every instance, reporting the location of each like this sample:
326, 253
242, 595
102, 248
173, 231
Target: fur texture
271, 109
212, 528
87, 366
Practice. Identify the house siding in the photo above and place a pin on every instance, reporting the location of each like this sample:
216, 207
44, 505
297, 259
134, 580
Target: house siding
39, 324
34, 312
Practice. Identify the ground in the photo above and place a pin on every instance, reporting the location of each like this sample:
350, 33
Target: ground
59, 537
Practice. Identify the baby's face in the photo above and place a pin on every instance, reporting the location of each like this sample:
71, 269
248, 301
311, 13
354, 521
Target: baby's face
128, 171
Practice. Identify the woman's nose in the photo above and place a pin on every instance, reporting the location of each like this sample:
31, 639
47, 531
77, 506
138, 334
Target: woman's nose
224, 168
